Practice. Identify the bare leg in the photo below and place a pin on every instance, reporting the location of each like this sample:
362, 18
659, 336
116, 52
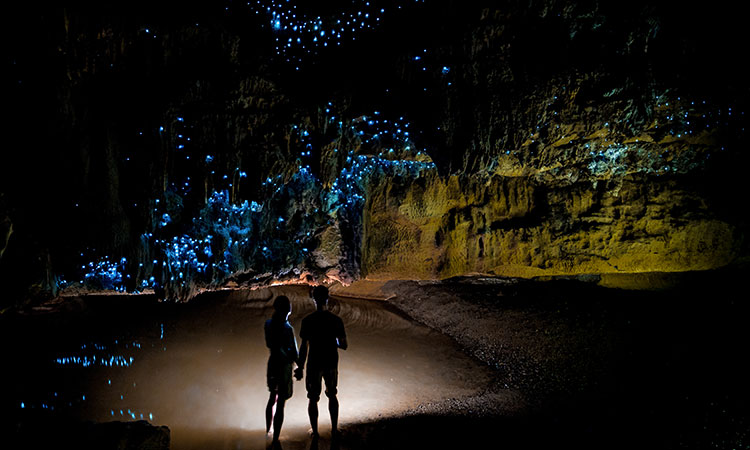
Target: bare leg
333, 408
278, 419
269, 411
312, 411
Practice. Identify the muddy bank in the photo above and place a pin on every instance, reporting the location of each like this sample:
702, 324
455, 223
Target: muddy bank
597, 367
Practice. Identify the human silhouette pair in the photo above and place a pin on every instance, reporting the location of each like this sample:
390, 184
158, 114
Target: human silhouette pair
322, 333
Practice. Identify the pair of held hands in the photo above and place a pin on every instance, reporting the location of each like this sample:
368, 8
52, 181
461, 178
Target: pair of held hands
298, 373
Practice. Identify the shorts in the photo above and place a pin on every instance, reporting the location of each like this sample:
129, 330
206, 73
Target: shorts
314, 378
279, 379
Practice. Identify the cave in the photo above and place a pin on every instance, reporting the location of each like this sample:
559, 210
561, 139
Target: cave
528, 215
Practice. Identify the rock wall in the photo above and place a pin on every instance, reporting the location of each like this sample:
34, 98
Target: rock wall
180, 148
515, 226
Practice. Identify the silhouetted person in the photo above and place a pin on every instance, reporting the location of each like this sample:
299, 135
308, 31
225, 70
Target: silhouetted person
283, 346
322, 334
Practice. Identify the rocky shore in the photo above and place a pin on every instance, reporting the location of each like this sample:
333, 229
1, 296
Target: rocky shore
595, 367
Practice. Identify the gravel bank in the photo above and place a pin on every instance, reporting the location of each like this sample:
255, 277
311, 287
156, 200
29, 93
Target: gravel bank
579, 364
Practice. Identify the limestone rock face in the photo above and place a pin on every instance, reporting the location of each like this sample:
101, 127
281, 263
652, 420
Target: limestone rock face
515, 226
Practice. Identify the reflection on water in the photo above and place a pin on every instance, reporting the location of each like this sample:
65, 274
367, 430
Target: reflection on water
201, 367
78, 379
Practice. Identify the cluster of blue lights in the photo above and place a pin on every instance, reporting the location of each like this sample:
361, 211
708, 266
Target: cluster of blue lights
106, 274
94, 356
85, 361
685, 118
349, 188
227, 238
299, 35
127, 413
189, 158
105, 358
617, 151
43, 405
304, 140
181, 137
218, 242
230, 236
392, 137
378, 144
187, 256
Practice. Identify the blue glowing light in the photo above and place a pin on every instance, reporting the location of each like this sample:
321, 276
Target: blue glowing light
304, 36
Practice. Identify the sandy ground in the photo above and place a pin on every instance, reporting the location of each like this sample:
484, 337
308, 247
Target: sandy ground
455, 364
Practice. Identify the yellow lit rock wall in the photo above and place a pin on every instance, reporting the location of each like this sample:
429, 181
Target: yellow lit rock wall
434, 227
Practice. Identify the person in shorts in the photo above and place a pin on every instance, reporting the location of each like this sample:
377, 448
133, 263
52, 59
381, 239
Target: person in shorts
282, 344
322, 334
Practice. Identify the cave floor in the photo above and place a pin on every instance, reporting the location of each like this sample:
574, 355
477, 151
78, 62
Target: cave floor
515, 365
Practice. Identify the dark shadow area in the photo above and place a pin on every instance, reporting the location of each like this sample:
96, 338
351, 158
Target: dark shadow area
600, 367
32, 430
